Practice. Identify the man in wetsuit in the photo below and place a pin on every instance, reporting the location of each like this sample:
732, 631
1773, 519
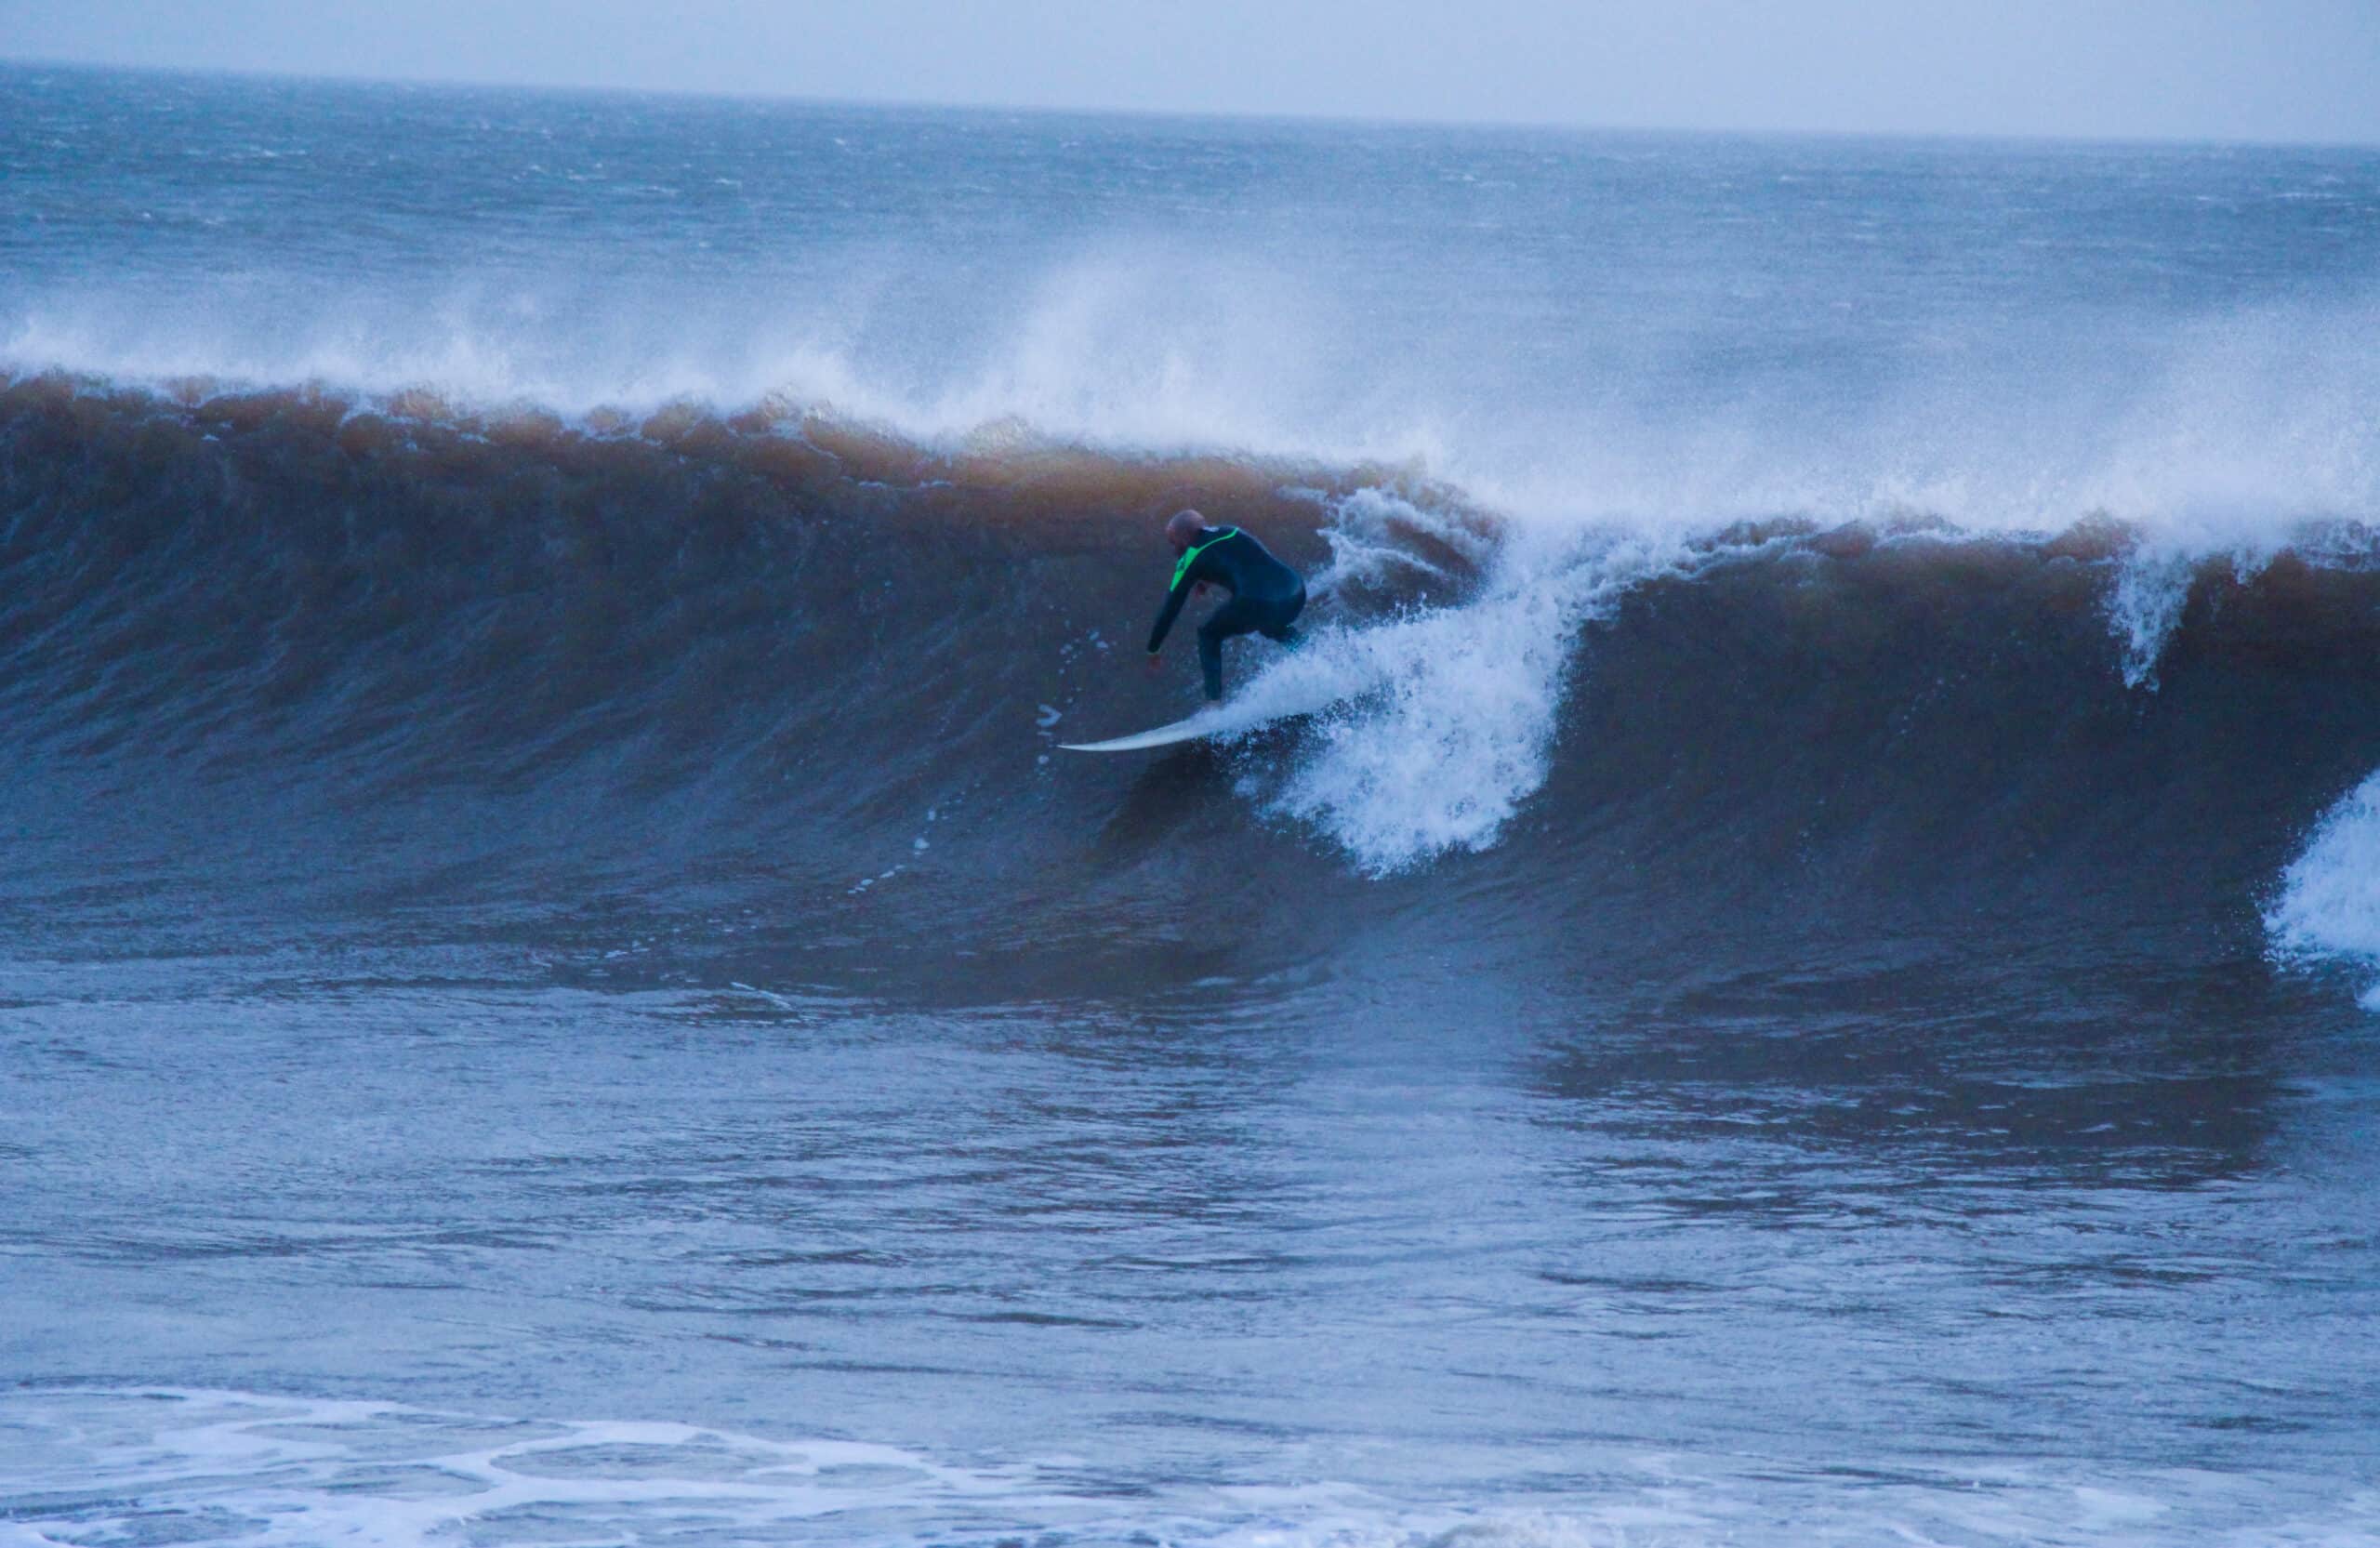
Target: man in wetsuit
1265, 593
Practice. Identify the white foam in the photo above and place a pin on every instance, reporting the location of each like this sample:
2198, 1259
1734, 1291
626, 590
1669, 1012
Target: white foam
231, 1467
1451, 710
1364, 537
87, 1468
2329, 905
2145, 607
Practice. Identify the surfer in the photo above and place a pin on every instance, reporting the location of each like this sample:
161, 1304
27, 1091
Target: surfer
1265, 593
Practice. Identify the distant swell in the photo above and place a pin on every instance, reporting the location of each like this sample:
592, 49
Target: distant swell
778, 664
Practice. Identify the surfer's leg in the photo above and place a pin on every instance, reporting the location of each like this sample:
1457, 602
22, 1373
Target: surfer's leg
1277, 627
1237, 616
1210, 662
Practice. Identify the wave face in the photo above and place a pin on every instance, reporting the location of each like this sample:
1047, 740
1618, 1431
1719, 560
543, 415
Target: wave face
492, 661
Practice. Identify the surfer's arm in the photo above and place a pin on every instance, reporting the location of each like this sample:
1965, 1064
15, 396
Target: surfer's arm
1173, 600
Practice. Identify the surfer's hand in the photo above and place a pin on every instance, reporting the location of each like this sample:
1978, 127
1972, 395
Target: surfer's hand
1153, 659
1197, 588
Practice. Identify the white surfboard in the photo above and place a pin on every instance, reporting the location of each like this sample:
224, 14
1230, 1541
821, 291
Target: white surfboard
1207, 722
1219, 720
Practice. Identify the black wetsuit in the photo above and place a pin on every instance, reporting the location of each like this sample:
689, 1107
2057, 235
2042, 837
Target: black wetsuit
1265, 595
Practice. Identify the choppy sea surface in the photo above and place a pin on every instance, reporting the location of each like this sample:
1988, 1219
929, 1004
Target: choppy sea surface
1814, 983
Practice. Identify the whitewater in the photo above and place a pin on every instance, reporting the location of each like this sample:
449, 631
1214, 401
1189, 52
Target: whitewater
1813, 983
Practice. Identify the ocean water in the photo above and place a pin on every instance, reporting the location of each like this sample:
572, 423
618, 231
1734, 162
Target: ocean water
1814, 984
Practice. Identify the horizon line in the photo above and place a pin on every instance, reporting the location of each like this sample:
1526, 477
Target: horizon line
1290, 116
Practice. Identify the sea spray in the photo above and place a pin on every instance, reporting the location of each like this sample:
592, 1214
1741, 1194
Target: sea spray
2329, 903
1459, 704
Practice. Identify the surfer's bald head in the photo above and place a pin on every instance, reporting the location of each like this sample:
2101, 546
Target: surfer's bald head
1182, 528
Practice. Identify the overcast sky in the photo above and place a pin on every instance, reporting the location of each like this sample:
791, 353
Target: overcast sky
2305, 70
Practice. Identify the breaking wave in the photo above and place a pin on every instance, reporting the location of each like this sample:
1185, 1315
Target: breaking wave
464, 647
